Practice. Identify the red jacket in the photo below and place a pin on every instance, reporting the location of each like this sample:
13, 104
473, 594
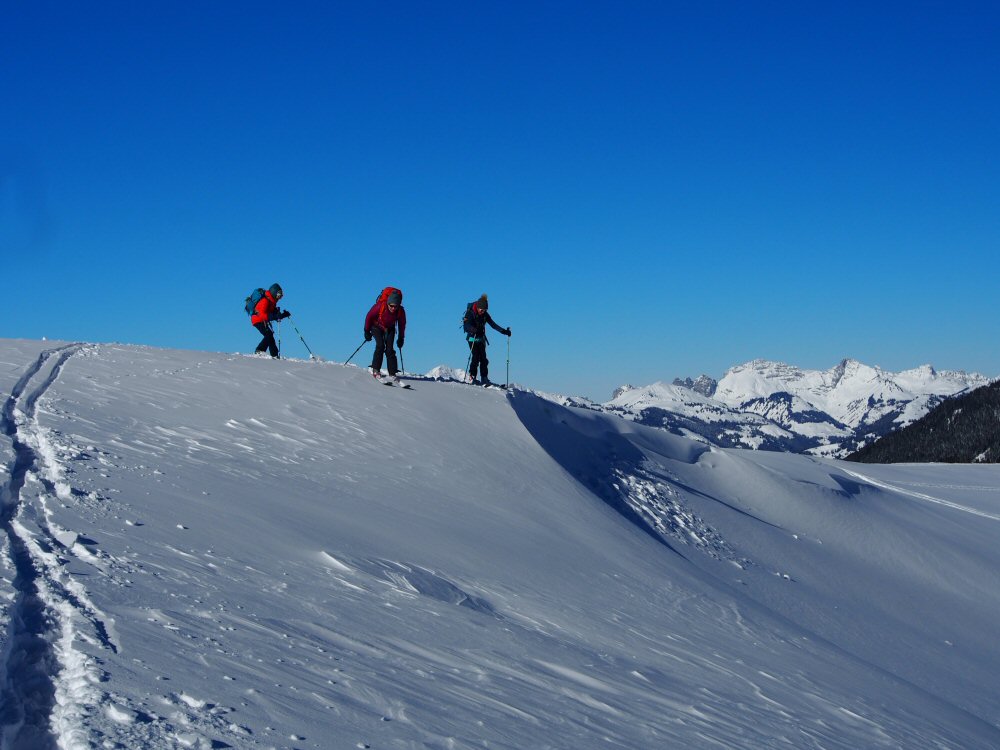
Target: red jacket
384, 318
264, 310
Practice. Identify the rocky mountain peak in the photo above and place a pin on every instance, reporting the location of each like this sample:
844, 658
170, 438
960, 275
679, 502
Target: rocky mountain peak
704, 384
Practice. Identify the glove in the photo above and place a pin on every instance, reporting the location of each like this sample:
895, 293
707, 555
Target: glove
284, 314
399, 342
507, 332
368, 335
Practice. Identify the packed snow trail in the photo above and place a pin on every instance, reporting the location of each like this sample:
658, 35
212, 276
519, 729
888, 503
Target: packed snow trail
921, 495
38, 709
261, 553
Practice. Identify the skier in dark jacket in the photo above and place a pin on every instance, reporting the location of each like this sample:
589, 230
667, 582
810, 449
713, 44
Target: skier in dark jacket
265, 311
380, 324
474, 322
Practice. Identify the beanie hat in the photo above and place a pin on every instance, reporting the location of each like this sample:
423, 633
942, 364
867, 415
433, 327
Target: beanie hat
394, 298
275, 289
483, 303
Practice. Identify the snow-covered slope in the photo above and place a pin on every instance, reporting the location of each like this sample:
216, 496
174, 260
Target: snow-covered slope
207, 550
772, 405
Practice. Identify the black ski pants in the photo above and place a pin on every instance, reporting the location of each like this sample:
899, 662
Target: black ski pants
268, 341
480, 363
383, 345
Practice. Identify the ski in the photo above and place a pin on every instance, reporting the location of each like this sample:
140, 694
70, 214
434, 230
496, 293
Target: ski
396, 384
392, 383
489, 385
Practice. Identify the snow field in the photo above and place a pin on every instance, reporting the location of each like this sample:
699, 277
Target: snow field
241, 552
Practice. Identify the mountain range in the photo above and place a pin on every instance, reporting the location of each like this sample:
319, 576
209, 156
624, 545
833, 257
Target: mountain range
776, 406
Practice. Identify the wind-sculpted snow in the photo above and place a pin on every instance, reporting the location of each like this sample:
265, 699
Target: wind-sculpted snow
205, 551
592, 450
409, 578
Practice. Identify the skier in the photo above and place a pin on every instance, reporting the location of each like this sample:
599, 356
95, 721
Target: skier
474, 322
264, 312
380, 324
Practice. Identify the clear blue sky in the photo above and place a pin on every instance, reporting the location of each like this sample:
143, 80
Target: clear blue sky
645, 189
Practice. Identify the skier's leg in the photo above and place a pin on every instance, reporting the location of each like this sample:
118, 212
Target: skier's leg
268, 341
390, 353
474, 365
379, 337
262, 330
484, 364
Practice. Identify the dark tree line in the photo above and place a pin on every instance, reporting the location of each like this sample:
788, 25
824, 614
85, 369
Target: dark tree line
963, 429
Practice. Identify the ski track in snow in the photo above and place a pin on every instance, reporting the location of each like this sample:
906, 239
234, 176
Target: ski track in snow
50, 680
923, 496
47, 683
31, 656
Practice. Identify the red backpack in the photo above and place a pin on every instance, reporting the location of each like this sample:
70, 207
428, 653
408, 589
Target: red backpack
381, 299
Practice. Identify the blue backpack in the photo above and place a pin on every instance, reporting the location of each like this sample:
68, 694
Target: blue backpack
252, 300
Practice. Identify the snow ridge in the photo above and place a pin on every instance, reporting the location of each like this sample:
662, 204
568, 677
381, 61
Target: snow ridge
643, 492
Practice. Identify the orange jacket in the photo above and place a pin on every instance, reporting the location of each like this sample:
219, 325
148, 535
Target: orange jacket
264, 311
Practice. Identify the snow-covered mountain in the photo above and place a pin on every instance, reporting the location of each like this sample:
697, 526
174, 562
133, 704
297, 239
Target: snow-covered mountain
205, 550
775, 406
444, 372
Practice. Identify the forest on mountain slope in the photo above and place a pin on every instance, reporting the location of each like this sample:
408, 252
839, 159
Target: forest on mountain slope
963, 429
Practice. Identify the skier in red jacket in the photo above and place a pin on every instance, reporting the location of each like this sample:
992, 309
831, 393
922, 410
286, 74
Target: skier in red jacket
380, 324
265, 311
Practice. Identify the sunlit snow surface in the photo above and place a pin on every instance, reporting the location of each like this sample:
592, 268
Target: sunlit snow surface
207, 550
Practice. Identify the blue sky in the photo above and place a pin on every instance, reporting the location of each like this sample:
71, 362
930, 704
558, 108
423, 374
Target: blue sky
646, 190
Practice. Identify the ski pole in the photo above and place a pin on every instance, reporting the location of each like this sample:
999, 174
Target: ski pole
508, 362
402, 365
356, 351
469, 363
311, 355
279, 338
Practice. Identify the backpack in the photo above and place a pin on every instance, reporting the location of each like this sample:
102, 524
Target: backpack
251, 302
384, 295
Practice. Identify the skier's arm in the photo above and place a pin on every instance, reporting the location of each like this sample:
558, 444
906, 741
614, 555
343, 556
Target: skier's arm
495, 326
370, 317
